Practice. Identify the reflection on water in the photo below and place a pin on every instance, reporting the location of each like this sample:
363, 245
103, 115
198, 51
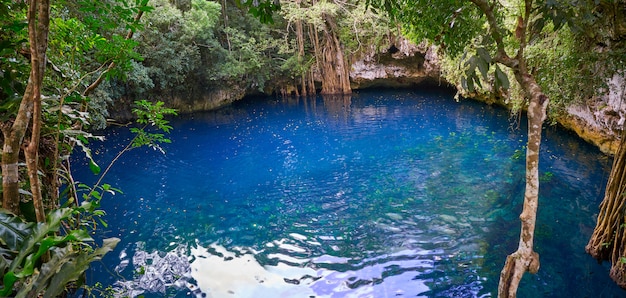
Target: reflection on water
389, 193
216, 272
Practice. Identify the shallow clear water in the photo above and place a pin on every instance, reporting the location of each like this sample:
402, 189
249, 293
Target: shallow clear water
384, 193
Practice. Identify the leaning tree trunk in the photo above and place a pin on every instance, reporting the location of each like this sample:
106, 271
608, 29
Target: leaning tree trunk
524, 258
608, 241
13, 138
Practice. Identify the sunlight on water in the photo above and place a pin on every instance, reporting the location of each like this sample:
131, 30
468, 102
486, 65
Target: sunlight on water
387, 193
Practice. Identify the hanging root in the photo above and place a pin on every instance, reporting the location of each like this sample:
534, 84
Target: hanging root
618, 273
608, 242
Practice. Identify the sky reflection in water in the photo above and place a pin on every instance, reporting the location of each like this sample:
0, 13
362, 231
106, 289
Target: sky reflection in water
385, 193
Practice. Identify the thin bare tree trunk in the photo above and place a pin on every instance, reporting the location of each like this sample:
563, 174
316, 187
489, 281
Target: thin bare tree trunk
38, 27
300, 42
314, 37
525, 258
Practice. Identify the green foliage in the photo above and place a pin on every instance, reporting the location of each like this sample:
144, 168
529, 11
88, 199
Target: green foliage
167, 44
68, 252
14, 68
361, 29
198, 23
261, 9
24, 244
88, 42
13, 232
451, 24
110, 14
563, 59
86, 37
187, 49
314, 14
149, 114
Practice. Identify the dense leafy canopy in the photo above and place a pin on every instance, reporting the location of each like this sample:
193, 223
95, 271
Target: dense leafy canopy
101, 52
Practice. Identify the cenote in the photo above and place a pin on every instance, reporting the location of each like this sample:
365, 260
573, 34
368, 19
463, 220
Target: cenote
385, 193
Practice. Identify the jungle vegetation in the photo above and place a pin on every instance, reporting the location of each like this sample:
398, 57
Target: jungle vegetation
65, 64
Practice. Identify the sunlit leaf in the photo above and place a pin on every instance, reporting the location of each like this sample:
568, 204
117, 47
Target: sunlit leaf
94, 167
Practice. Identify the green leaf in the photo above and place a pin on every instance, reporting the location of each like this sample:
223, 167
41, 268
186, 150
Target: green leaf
484, 55
31, 250
46, 244
13, 230
93, 166
483, 67
470, 85
69, 271
13, 234
471, 65
8, 280
502, 79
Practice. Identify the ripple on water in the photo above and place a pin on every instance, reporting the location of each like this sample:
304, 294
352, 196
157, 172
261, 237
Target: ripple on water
383, 194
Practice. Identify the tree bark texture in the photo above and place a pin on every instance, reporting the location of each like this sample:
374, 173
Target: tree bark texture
13, 136
38, 27
608, 241
525, 258
335, 74
30, 110
300, 42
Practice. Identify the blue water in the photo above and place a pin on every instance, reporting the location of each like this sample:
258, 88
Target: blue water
384, 193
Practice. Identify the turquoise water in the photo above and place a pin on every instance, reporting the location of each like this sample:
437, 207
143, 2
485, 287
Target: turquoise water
384, 193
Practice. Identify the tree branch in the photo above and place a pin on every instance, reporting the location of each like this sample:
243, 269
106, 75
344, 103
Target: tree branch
494, 29
100, 78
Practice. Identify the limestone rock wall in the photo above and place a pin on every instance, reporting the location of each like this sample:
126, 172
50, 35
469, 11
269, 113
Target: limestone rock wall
208, 100
600, 120
402, 64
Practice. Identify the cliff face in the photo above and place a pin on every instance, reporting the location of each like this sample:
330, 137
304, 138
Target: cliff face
403, 64
600, 120
208, 100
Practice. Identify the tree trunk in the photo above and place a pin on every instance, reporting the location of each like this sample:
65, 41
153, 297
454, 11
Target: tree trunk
30, 107
335, 74
314, 37
300, 42
38, 27
525, 258
13, 137
608, 241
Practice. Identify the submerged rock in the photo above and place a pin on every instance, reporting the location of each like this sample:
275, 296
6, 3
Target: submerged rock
448, 218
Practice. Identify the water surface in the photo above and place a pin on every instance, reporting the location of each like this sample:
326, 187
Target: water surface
384, 193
